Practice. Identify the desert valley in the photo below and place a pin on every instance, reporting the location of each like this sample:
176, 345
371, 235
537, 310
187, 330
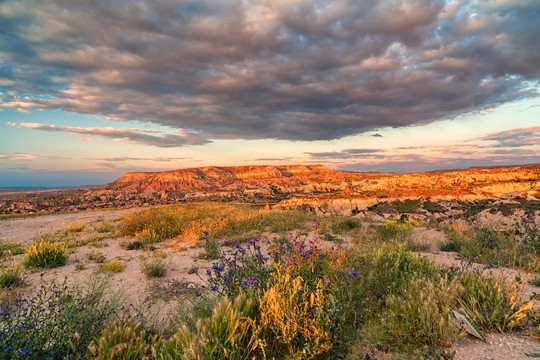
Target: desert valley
164, 248
270, 180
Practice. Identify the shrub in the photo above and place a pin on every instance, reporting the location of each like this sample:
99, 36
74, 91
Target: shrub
332, 238
495, 248
491, 302
160, 253
96, 256
534, 317
187, 221
7, 248
393, 230
136, 245
121, 340
10, 277
535, 281
420, 319
57, 322
296, 318
453, 242
343, 225
104, 227
231, 332
45, 254
211, 248
153, 266
245, 269
113, 266
75, 227
191, 309
531, 240
388, 271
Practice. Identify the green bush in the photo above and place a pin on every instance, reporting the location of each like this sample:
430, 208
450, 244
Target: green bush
153, 266
389, 270
10, 276
59, 321
392, 230
490, 302
344, 225
104, 227
45, 254
454, 240
136, 245
211, 248
7, 248
96, 256
531, 240
420, 320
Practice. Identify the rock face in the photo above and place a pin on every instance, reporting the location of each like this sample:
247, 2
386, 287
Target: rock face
317, 179
237, 177
288, 186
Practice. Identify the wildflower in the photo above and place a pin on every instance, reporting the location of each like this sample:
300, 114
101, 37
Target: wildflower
214, 287
197, 294
206, 232
193, 271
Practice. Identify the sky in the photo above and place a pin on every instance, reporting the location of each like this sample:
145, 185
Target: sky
90, 90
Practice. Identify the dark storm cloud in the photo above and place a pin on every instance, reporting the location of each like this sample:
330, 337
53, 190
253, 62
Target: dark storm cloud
299, 70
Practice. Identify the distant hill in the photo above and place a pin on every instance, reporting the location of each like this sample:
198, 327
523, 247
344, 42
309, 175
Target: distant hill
300, 185
316, 179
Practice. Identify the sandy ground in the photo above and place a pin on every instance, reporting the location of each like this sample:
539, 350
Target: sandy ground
132, 282
22, 230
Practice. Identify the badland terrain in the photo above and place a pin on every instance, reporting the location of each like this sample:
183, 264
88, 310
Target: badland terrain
507, 191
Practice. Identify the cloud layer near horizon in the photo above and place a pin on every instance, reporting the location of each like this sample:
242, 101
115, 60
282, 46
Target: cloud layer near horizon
296, 69
135, 136
495, 149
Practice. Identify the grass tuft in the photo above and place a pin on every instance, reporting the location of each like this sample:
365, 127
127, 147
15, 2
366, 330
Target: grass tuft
45, 254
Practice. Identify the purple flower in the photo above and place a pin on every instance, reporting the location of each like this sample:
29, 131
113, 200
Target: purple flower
193, 271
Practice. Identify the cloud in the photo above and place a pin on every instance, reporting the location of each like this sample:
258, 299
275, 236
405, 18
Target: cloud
127, 158
298, 70
134, 136
281, 159
514, 146
519, 137
361, 151
346, 154
16, 156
